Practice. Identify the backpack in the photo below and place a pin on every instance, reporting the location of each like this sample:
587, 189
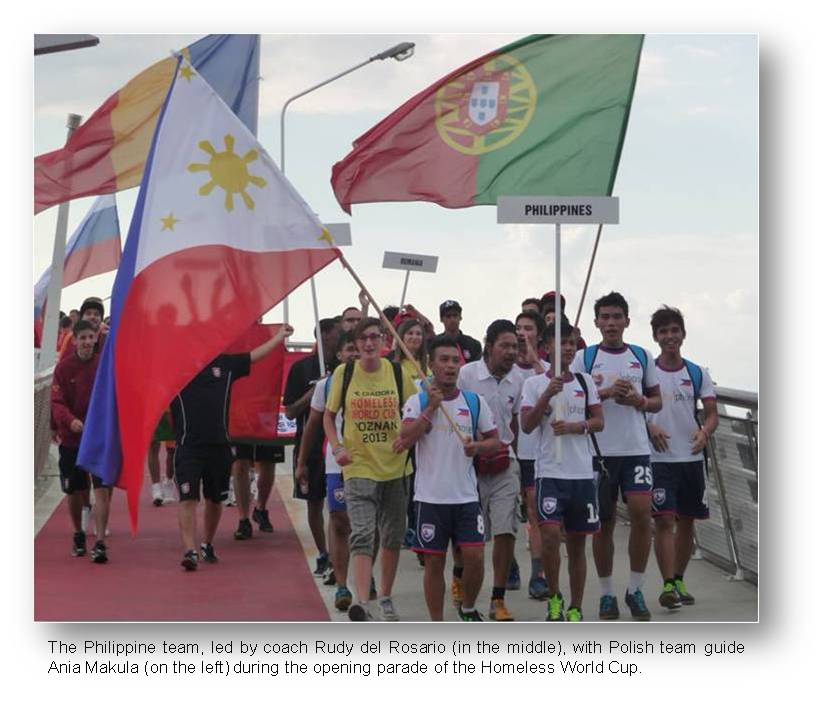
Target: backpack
472, 400
591, 351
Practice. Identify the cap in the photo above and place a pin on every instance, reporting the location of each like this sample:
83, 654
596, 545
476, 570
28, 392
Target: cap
550, 296
93, 302
450, 305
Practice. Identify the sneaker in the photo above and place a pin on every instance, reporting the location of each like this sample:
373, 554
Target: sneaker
244, 530
555, 608
343, 598
168, 489
498, 612
207, 553
421, 560
261, 517
157, 494
99, 553
513, 582
388, 611
670, 597
189, 561
329, 578
473, 616
409, 538
373, 591
79, 545
574, 615
538, 589
608, 609
457, 591
686, 598
523, 517
321, 565
230, 500
637, 606
359, 613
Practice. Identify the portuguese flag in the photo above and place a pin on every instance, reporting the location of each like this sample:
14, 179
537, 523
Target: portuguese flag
543, 116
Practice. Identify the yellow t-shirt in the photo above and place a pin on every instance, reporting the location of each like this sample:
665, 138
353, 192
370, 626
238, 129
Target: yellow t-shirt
372, 420
409, 368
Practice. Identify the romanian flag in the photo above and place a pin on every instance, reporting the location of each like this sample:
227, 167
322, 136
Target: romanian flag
543, 116
108, 152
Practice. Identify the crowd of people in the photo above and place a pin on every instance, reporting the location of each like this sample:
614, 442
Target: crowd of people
434, 442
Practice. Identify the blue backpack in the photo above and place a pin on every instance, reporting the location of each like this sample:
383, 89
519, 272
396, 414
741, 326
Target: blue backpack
591, 351
473, 401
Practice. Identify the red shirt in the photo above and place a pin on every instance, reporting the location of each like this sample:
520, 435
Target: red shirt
71, 392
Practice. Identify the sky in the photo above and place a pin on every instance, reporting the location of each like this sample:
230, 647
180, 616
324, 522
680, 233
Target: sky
688, 184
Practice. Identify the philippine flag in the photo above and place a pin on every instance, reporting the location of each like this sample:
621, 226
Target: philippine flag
94, 248
218, 237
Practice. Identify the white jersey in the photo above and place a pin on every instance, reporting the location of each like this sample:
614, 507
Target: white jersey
576, 453
444, 475
677, 415
318, 403
625, 427
501, 396
527, 442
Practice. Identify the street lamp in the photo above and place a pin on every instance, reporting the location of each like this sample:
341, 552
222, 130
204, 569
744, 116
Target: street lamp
399, 52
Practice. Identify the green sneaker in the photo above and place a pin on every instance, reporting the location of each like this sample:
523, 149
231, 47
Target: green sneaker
670, 597
574, 615
555, 608
686, 598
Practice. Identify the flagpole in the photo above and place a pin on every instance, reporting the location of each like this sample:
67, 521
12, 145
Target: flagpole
405, 284
589, 272
558, 372
48, 348
388, 324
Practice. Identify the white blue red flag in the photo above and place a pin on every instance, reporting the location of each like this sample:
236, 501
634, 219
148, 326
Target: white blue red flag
94, 248
218, 237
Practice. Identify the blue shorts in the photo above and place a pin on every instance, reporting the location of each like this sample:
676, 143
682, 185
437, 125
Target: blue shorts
527, 474
631, 474
437, 524
573, 503
680, 489
335, 496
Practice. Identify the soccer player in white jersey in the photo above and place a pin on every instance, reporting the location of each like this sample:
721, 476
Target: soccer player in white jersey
529, 327
447, 507
678, 443
562, 410
628, 386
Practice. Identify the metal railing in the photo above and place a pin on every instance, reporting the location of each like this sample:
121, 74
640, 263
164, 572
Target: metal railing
42, 418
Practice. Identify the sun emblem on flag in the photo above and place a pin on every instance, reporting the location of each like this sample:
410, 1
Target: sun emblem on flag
229, 171
486, 108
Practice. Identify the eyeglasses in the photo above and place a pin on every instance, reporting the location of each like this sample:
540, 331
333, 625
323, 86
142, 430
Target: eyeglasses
372, 337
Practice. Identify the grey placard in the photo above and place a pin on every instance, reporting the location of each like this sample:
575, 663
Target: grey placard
341, 233
409, 262
550, 209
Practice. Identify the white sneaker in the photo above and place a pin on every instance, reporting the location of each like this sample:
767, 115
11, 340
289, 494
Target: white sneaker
168, 488
388, 611
157, 494
230, 498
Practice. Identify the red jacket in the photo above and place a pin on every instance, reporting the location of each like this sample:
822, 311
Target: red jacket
71, 392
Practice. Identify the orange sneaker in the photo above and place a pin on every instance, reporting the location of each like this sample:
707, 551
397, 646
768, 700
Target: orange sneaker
498, 612
457, 591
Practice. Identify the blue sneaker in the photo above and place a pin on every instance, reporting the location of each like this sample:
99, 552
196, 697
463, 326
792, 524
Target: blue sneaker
608, 609
637, 606
538, 589
343, 599
513, 582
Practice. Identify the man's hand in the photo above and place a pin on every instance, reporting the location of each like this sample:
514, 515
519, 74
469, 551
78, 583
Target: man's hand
699, 440
285, 331
302, 478
76, 426
556, 385
625, 393
399, 445
364, 300
565, 428
435, 398
659, 438
471, 448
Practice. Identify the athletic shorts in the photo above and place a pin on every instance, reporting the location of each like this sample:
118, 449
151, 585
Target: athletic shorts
527, 473
260, 453
375, 505
335, 493
571, 503
500, 495
631, 474
438, 524
317, 478
210, 465
72, 478
680, 489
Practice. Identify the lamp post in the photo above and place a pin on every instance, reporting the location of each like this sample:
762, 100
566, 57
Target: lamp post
399, 52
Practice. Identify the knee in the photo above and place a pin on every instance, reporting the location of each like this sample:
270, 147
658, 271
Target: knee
664, 523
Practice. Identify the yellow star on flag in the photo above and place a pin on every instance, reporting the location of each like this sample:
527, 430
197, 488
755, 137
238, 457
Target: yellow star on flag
169, 222
327, 237
187, 72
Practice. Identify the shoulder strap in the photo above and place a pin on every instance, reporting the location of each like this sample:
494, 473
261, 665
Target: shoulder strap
348, 371
589, 357
473, 401
697, 378
641, 356
327, 384
398, 372
587, 414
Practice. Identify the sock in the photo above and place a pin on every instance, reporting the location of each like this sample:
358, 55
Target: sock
668, 581
606, 586
457, 571
498, 593
537, 568
636, 581
678, 577
467, 610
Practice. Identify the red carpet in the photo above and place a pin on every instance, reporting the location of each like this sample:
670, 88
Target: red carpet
264, 579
